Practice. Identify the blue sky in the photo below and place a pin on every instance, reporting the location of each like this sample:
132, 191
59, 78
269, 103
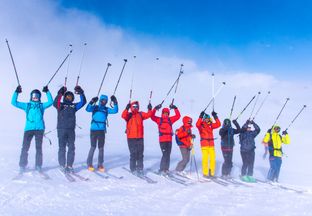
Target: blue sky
260, 36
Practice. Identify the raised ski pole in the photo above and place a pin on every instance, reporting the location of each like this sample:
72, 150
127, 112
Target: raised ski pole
232, 106
108, 65
150, 97
176, 88
212, 99
60, 67
254, 106
245, 107
304, 106
82, 58
68, 63
213, 86
287, 99
16, 75
122, 70
175, 82
261, 105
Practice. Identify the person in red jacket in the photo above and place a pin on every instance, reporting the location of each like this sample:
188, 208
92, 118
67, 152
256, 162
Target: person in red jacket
135, 134
205, 127
185, 142
165, 133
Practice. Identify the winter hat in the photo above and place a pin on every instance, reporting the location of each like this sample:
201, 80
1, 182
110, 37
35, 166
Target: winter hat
227, 122
103, 98
35, 94
69, 97
165, 110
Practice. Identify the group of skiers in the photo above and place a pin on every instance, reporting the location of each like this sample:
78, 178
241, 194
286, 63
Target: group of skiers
66, 123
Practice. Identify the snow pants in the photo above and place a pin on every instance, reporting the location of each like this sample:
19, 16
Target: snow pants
208, 160
165, 159
275, 167
66, 137
248, 162
136, 148
227, 164
28, 135
97, 138
185, 152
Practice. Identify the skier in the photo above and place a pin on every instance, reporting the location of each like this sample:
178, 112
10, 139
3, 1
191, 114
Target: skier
34, 124
165, 134
227, 144
205, 127
66, 123
273, 143
247, 136
184, 138
98, 127
135, 134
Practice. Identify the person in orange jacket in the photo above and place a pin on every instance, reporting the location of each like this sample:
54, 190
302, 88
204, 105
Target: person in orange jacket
165, 133
184, 138
205, 127
135, 134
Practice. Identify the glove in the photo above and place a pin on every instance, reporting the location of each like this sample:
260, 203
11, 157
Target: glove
79, 90
18, 89
214, 114
94, 100
284, 132
202, 114
149, 106
234, 121
193, 136
158, 107
45, 89
270, 130
248, 122
62, 90
114, 99
172, 106
128, 106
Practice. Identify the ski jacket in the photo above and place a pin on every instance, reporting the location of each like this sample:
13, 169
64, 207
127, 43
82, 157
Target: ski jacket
184, 133
247, 138
227, 136
206, 131
66, 111
165, 124
34, 111
100, 113
134, 119
274, 142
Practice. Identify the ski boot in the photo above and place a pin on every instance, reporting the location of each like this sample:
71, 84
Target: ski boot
101, 168
251, 179
90, 168
38, 168
69, 169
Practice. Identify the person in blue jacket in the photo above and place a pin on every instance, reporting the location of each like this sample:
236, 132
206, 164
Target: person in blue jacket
66, 124
35, 126
98, 128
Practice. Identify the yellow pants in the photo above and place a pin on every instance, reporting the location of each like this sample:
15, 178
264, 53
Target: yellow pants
208, 160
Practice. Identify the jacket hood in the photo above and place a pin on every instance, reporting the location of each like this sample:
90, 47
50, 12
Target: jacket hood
132, 104
66, 94
187, 121
165, 110
226, 123
275, 126
103, 97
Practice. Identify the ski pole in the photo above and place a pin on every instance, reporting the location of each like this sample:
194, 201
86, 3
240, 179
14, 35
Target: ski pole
7, 42
193, 155
245, 107
261, 105
108, 65
232, 106
123, 67
213, 86
304, 106
175, 82
68, 63
253, 108
176, 88
80, 67
287, 99
150, 97
59, 67
212, 99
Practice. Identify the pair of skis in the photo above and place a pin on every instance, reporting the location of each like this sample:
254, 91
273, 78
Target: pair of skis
41, 174
72, 176
141, 176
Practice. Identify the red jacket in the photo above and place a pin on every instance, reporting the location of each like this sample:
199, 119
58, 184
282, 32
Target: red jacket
165, 124
184, 133
134, 119
206, 131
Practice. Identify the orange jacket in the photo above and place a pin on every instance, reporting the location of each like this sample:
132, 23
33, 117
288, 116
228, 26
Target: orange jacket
165, 124
134, 119
206, 131
184, 133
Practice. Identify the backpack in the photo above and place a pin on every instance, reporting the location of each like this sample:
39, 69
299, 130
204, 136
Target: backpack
178, 141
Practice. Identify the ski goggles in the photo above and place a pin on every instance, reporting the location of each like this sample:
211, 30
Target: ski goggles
135, 106
277, 129
35, 96
69, 97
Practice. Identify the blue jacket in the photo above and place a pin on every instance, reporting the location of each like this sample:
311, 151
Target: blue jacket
247, 138
34, 111
100, 113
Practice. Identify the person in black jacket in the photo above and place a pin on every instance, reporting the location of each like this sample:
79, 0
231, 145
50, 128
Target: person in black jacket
247, 141
227, 144
66, 124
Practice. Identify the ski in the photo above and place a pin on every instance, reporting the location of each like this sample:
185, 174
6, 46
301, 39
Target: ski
142, 176
113, 176
18, 176
237, 182
101, 175
80, 177
280, 186
217, 180
67, 176
43, 175
171, 177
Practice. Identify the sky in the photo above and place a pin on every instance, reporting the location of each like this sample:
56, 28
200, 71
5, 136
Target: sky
260, 36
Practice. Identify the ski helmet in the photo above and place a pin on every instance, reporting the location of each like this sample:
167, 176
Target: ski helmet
35, 95
69, 97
